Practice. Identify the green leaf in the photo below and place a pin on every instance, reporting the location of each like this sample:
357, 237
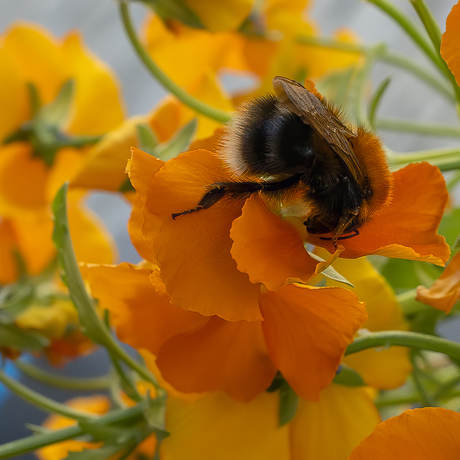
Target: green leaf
19, 339
179, 143
101, 453
450, 226
147, 138
348, 377
330, 272
288, 404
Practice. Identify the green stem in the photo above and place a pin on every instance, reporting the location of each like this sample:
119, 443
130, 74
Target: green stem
42, 402
405, 339
433, 129
409, 305
446, 159
90, 321
432, 52
36, 441
162, 78
417, 375
386, 56
431, 26
67, 383
411, 29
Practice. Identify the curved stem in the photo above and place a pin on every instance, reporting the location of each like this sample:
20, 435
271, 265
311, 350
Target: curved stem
161, 77
36, 441
67, 383
431, 26
386, 56
43, 402
405, 339
434, 129
446, 159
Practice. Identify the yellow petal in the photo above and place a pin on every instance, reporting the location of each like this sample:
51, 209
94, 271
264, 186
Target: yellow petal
217, 427
332, 427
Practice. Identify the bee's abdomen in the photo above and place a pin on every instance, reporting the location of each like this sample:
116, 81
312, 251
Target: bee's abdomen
267, 140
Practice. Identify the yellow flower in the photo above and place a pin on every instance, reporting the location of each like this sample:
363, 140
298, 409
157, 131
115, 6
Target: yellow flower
34, 68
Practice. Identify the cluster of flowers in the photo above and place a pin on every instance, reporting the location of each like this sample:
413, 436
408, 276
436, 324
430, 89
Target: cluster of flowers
236, 310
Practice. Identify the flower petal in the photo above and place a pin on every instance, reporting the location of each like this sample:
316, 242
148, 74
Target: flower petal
407, 228
268, 249
193, 251
430, 433
450, 50
217, 427
445, 291
307, 330
387, 368
142, 315
333, 426
22, 180
219, 356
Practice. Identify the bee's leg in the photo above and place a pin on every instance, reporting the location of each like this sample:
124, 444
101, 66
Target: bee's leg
218, 191
238, 190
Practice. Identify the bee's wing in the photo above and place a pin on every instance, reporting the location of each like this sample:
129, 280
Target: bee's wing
315, 113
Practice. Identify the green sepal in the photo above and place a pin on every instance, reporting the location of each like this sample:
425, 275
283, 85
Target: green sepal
14, 299
348, 377
57, 112
288, 404
178, 144
174, 9
154, 412
330, 272
14, 337
101, 453
147, 138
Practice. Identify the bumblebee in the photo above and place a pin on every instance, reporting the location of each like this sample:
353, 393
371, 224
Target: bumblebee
294, 144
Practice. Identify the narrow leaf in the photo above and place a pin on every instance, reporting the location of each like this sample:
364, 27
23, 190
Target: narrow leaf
376, 98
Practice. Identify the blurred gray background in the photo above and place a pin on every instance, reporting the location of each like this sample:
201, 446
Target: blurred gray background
101, 27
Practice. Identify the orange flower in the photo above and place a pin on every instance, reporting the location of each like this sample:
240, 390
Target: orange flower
304, 334
430, 433
450, 49
236, 245
30, 56
445, 291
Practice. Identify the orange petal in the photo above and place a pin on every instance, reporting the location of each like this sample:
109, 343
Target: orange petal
445, 291
450, 49
217, 427
193, 251
380, 368
333, 426
143, 317
307, 330
135, 230
8, 268
22, 180
407, 228
219, 356
141, 169
268, 249
430, 433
